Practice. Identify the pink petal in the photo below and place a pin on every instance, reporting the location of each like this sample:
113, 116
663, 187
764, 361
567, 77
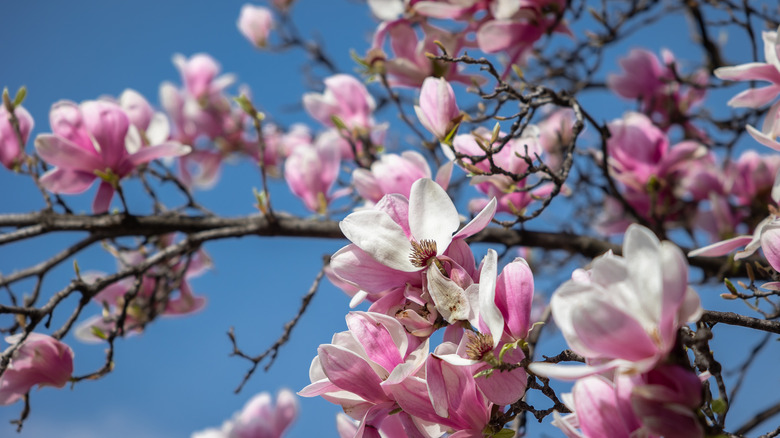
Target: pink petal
102, 198
67, 181
351, 373
108, 125
61, 152
721, 248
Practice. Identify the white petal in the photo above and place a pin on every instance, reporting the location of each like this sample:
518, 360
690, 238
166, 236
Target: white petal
432, 215
377, 234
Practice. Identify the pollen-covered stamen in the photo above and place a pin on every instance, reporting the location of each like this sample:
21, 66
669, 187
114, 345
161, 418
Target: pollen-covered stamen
422, 253
480, 347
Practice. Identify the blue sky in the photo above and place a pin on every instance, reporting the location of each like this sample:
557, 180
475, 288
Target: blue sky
177, 377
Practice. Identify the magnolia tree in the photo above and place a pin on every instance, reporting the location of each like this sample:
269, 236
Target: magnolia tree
463, 159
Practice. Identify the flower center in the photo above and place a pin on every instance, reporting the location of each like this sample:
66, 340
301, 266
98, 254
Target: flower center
422, 253
479, 345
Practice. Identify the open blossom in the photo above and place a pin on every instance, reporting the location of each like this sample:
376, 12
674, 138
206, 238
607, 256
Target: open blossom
406, 238
438, 111
199, 75
89, 141
358, 367
409, 65
259, 418
255, 23
768, 71
624, 312
40, 360
11, 152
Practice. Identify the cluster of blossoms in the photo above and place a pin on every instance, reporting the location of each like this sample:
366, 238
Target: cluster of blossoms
756, 178
142, 300
505, 26
622, 315
408, 258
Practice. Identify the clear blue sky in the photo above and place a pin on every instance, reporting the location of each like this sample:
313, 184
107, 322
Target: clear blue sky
177, 377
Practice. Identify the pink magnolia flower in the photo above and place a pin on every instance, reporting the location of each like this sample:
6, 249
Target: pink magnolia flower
357, 368
155, 296
255, 23
661, 402
344, 98
511, 196
259, 418
395, 174
516, 26
89, 141
11, 152
410, 66
40, 360
311, 172
422, 229
199, 75
438, 111
599, 410
624, 312
665, 400
636, 149
446, 395
768, 71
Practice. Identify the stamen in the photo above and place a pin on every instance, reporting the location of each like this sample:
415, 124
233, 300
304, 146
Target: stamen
479, 345
422, 253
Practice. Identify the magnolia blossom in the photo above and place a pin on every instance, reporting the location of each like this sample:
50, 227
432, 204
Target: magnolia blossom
511, 196
199, 75
438, 111
393, 173
359, 367
311, 172
155, 295
40, 360
255, 23
406, 238
346, 99
768, 71
661, 402
409, 65
89, 141
624, 312
259, 418
11, 152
